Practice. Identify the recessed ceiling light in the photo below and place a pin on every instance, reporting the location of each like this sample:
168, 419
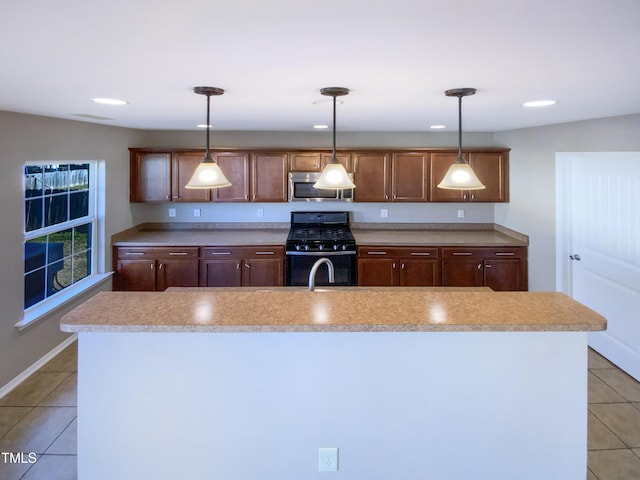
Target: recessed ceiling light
436, 127
109, 101
320, 127
539, 103
204, 125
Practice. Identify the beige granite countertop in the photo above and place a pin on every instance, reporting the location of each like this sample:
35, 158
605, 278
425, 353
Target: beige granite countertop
480, 235
293, 309
203, 237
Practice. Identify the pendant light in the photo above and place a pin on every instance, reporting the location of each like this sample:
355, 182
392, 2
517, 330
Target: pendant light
334, 174
460, 175
208, 173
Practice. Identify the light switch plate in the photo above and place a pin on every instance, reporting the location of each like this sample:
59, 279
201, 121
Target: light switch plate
384, 212
172, 212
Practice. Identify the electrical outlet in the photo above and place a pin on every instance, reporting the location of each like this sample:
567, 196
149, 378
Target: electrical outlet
460, 213
197, 212
384, 212
172, 212
260, 212
328, 459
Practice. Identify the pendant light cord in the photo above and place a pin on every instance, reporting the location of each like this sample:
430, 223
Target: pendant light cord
460, 126
208, 124
334, 127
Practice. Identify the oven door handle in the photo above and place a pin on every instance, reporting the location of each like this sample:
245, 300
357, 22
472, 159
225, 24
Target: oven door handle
321, 254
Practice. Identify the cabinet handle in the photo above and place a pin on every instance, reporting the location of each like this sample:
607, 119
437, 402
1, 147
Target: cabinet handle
219, 253
464, 197
461, 253
386, 196
487, 265
376, 253
394, 265
402, 266
137, 254
247, 265
505, 254
160, 266
265, 253
473, 196
176, 196
178, 253
479, 266
152, 266
238, 266
423, 254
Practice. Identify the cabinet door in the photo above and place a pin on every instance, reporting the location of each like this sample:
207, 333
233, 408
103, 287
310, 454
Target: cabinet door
263, 272
371, 176
176, 273
235, 166
221, 273
269, 177
467, 272
440, 163
183, 166
491, 169
150, 177
505, 274
135, 275
419, 273
377, 272
410, 177
305, 161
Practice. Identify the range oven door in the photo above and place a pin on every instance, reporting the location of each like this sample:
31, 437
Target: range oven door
299, 265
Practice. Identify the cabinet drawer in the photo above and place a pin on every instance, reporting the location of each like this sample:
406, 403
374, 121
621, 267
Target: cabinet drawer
157, 252
484, 252
418, 252
377, 252
263, 251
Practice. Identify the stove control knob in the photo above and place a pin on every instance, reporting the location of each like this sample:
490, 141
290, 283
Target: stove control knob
306, 247
335, 247
320, 247
344, 247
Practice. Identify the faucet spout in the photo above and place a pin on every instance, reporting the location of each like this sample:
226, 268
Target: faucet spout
314, 270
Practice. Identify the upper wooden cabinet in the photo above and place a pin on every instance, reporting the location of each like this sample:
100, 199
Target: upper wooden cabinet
490, 167
261, 175
371, 176
315, 161
235, 166
269, 177
150, 176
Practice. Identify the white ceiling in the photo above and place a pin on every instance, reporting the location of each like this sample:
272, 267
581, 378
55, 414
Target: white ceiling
272, 58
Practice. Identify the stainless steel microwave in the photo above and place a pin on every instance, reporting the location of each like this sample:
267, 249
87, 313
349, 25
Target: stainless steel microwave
301, 189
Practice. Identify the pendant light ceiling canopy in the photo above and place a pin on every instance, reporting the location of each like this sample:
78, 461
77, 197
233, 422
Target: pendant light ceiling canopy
460, 175
208, 173
334, 174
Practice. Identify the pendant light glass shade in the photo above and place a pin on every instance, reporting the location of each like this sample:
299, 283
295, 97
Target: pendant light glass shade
333, 174
208, 173
460, 175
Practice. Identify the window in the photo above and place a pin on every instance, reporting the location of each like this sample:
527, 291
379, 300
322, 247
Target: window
60, 225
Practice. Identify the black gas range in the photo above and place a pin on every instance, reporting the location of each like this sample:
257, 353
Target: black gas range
315, 235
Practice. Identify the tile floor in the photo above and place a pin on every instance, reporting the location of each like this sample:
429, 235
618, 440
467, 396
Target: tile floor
40, 416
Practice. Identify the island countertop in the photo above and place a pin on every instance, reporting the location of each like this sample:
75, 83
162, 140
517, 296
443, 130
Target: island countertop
294, 309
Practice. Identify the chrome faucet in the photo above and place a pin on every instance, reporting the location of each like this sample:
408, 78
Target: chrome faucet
314, 269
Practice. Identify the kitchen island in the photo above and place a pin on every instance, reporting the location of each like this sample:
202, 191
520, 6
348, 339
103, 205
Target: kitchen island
407, 383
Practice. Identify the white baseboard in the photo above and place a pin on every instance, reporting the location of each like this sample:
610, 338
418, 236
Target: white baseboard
4, 390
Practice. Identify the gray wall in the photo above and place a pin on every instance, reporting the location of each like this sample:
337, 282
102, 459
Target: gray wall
25, 138
532, 162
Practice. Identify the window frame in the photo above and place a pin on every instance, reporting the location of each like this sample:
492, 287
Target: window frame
95, 217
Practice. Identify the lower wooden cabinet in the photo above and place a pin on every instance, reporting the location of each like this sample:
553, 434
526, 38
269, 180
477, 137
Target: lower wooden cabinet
154, 268
498, 268
242, 266
398, 266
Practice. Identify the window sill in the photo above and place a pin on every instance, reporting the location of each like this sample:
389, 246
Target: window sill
47, 307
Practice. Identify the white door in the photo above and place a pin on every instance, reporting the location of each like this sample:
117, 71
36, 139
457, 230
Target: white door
605, 246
